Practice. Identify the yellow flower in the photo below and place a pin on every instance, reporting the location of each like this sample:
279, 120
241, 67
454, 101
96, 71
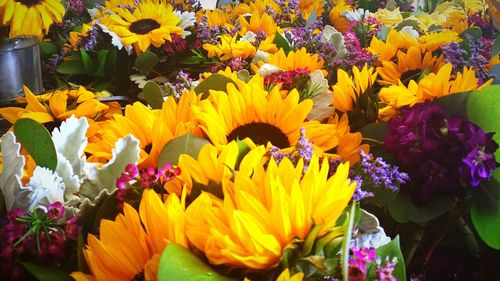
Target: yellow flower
296, 60
30, 17
433, 41
58, 105
389, 18
230, 47
395, 41
261, 116
348, 88
306, 7
218, 18
130, 246
153, 128
256, 7
258, 23
433, 85
339, 22
409, 65
150, 23
266, 212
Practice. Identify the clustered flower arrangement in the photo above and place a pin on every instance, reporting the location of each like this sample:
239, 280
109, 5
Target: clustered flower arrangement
254, 140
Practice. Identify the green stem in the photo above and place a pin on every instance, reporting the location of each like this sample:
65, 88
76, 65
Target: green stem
346, 243
469, 237
417, 238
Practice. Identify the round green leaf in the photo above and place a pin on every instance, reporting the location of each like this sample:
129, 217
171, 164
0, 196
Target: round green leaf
216, 82
487, 223
145, 62
186, 144
45, 273
35, 138
403, 210
71, 67
177, 263
152, 94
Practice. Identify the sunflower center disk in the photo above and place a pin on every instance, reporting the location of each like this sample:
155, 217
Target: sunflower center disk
143, 26
410, 75
260, 133
29, 3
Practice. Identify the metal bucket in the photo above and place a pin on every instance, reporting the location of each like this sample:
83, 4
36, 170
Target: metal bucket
19, 64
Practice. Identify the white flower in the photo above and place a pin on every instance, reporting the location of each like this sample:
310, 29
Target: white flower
356, 15
410, 31
188, 19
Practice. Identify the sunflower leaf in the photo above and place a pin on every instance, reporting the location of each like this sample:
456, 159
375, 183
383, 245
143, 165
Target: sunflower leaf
177, 263
152, 94
35, 138
403, 210
145, 62
186, 144
216, 82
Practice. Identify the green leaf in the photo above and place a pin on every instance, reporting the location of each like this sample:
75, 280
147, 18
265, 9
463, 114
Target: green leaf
455, 104
394, 250
44, 273
35, 138
281, 43
48, 48
487, 223
177, 263
145, 62
88, 64
403, 210
216, 82
475, 32
152, 94
496, 47
186, 144
71, 67
102, 56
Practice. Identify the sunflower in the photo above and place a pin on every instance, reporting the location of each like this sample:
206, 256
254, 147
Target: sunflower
396, 40
348, 88
389, 18
58, 105
257, 24
433, 85
433, 41
149, 23
285, 276
307, 7
340, 22
300, 59
409, 65
218, 18
266, 212
257, 7
261, 116
130, 246
30, 17
230, 47
154, 128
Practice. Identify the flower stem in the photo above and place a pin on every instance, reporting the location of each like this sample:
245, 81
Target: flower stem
416, 239
347, 241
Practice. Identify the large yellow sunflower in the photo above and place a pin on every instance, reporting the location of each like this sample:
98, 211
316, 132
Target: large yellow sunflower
266, 212
153, 128
339, 22
258, 23
396, 40
299, 59
30, 17
409, 65
348, 88
130, 246
252, 112
149, 23
230, 47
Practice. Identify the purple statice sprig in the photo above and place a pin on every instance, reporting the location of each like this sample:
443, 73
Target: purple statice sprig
40, 235
289, 11
302, 150
136, 180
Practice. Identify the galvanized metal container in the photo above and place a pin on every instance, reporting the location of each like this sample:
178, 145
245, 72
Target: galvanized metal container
19, 64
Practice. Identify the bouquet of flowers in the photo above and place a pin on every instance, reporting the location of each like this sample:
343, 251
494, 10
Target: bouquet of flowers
254, 140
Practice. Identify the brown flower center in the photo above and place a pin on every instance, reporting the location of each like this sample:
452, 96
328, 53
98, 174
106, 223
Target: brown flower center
260, 133
143, 26
29, 3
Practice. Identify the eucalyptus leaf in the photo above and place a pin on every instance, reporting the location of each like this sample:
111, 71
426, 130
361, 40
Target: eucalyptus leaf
145, 62
186, 144
35, 138
487, 223
455, 104
152, 94
391, 250
475, 32
312, 19
45, 273
178, 263
216, 82
404, 210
